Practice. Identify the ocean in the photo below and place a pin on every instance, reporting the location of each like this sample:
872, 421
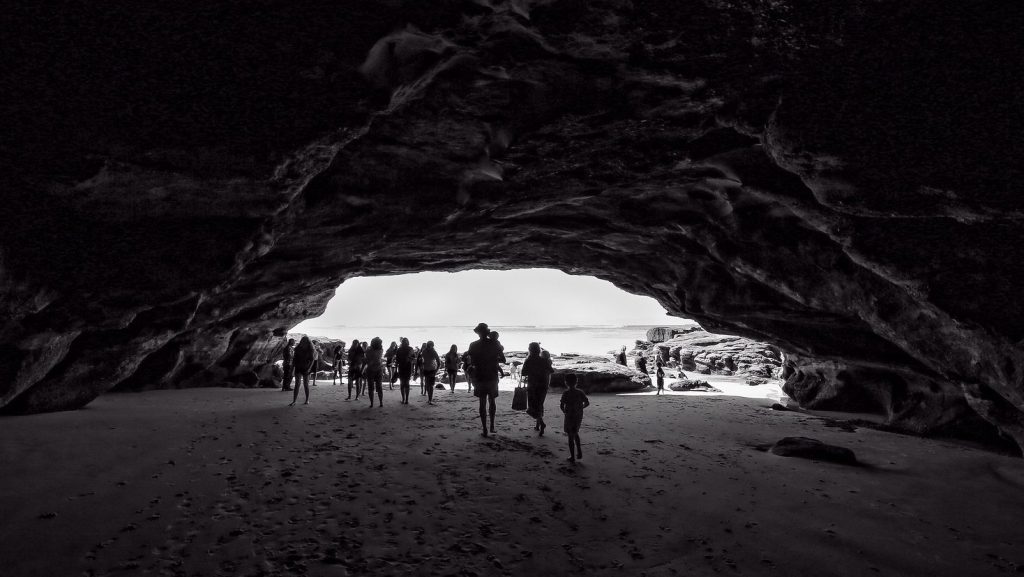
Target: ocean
593, 340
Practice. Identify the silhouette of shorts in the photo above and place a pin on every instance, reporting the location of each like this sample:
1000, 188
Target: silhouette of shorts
489, 387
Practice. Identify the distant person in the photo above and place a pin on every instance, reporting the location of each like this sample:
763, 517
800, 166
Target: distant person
621, 357
537, 371
361, 381
430, 363
373, 370
339, 363
403, 362
389, 363
288, 362
641, 363
484, 356
417, 369
572, 404
451, 366
660, 375
318, 354
355, 368
305, 355
501, 359
466, 369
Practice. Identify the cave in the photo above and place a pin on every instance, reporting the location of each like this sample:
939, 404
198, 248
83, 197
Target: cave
182, 183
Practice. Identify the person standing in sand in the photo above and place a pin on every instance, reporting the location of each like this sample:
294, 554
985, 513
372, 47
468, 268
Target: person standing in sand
288, 361
430, 363
305, 355
483, 357
339, 363
374, 370
572, 404
466, 369
389, 363
355, 362
403, 362
451, 366
417, 368
537, 371
660, 375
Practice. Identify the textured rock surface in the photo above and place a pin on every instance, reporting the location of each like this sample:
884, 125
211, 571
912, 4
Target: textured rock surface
178, 185
702, 352
600, 377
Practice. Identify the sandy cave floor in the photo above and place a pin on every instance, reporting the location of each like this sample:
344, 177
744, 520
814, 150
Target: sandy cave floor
234, 482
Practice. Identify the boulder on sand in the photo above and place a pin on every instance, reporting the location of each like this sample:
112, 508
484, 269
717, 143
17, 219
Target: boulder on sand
693, 385
600, 376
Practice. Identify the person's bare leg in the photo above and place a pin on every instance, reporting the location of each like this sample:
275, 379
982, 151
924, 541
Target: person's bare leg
483, 414
492, 407
572, 455
579, 451
305, 387
295, 393
380, 395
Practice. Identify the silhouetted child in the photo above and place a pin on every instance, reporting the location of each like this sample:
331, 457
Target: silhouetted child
572, 404
660, 375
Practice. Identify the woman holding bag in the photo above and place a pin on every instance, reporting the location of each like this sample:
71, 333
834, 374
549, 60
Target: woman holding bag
537, 371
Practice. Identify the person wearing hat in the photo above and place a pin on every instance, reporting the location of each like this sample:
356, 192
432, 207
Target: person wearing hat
484, 355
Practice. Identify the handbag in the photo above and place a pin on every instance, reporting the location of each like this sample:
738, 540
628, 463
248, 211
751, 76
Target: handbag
519, 399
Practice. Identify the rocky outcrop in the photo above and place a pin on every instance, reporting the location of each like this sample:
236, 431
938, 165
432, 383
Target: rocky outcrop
662, 334
699, 351
181, 185
600, 377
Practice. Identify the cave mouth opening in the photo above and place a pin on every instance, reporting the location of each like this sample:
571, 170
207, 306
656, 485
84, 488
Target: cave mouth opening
566, 313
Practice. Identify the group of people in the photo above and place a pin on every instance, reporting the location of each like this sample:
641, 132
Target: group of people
641, 365
369, 365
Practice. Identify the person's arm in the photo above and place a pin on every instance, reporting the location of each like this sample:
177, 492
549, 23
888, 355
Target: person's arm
586, 401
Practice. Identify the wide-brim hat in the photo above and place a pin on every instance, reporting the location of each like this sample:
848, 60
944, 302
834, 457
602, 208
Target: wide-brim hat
482, 329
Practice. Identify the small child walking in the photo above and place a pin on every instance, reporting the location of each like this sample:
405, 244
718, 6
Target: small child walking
572, 404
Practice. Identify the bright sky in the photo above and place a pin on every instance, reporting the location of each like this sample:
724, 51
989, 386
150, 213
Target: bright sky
540, 297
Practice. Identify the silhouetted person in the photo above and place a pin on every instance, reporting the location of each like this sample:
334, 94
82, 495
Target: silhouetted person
451, 366
305, 355
288, 359
641, 364
403, 362
621, 357
339, 363
318, 355
374, 370
467, 369
537, 371
484, 355
355, 367
389, 363
660, 375
572, 404
430, 363
418, 368
360, 383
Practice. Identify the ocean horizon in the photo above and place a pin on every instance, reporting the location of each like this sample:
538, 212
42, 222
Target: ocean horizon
558, 339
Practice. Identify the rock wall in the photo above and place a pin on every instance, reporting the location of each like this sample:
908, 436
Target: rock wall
180, 184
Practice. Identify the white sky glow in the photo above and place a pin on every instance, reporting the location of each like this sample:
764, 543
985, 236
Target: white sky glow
523, 297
